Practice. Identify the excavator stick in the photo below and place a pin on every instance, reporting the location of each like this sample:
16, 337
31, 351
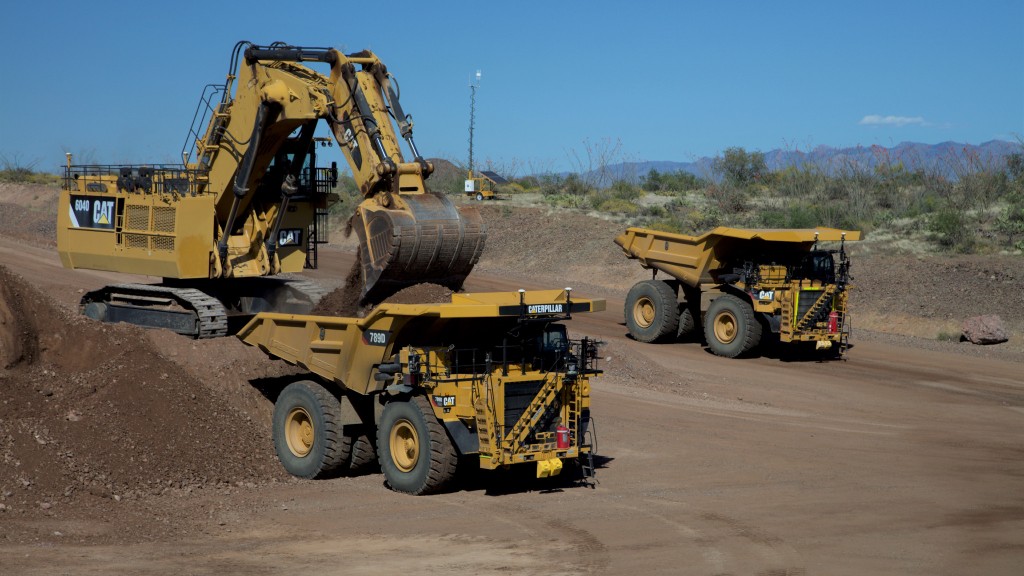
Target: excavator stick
427, 240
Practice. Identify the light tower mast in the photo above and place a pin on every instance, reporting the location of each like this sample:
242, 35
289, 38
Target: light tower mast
473, 85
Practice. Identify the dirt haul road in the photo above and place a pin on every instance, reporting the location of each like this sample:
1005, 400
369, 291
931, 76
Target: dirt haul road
896, 461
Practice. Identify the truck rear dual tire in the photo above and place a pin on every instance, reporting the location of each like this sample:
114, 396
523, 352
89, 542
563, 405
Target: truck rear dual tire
730, 326
415, 453
307, 431
652, 311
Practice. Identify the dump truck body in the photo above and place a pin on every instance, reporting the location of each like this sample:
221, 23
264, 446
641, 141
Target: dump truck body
762, 280
496, 372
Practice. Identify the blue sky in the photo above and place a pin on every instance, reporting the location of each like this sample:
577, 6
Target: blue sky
116, 82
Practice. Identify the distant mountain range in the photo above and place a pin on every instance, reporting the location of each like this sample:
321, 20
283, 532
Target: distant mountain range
948, 158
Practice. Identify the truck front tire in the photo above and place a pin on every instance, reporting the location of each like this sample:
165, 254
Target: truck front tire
307, 428
415, 452
651, 311
730, 326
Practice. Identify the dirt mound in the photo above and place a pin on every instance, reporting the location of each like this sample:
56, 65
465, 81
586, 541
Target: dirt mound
91, 412
940, 287
28, 212
556, 248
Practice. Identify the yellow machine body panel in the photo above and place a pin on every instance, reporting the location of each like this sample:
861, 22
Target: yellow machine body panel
150, 234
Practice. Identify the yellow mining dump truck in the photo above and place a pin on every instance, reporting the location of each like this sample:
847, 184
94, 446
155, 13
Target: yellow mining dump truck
741, 284
490, 375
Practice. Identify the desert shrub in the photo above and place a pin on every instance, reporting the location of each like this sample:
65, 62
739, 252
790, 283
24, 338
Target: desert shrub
729, 199
529, 183
618, 206
667, 225
791, 216
950, 230
509, 188
1011, 223
625, 191
347, 197
550, 184
983, 188
574, 185
799, 182
678, 181
653, 211
738, 167
619, 198
13, 170
1015, 165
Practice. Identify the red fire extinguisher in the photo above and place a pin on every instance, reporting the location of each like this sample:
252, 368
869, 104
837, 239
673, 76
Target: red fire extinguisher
833, 322
562, 437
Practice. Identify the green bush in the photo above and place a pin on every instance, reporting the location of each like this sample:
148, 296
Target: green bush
618, 206
1011, 222
625, 191
728, 198
739, 168
793, 216
678, 181
951, 231
12, 170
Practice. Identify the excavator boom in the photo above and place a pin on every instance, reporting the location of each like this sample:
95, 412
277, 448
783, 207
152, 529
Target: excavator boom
407, 234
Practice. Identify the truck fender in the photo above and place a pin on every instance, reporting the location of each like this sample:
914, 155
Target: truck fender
466, 442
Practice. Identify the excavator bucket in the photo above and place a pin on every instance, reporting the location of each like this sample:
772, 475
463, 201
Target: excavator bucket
418, 238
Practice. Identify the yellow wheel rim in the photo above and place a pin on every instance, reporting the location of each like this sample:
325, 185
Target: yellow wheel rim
643, 312
298, 432
405, 445
726, 327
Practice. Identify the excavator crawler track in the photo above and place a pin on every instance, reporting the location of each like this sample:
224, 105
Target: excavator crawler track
186, 311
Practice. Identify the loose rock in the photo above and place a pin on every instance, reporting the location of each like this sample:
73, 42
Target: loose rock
984, 330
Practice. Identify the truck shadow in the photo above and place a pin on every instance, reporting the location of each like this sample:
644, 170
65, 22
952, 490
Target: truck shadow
770, 347
271, 387
522, 479
797, 352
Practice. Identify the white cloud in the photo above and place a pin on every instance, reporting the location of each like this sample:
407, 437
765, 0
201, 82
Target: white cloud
878, 120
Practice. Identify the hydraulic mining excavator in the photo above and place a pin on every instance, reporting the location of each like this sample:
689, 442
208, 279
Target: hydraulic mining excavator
249, 203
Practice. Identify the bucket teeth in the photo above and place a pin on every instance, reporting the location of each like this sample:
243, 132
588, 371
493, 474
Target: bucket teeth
428, 240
